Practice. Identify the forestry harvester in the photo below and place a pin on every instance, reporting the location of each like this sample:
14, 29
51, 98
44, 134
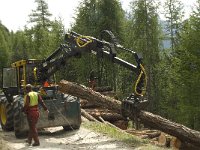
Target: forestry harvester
64, 110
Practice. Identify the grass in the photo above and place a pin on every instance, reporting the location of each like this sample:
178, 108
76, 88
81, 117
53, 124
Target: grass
129, 139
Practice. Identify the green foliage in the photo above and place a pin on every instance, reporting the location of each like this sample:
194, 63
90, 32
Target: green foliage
4, 48
174, 14
41, 15
20, 46
144, 33
180, 76
189, 70
94, 16
44, 36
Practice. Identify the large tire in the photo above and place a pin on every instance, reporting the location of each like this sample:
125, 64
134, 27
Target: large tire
6, 115
18, 114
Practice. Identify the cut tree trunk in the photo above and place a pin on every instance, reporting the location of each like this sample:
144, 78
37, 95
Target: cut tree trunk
88, 116
164, 139
150, 134
175, 143
105, 114
86, 93
85, 104
103, 89
122, 124
157, 122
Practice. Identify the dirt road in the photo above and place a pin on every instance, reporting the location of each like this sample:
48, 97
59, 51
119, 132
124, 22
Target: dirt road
57, 139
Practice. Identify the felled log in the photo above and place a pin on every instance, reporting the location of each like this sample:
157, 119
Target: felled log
154, 134
88, 116
122, 124
85, 104
101, 119
105, 114
84, 92
150, 134
99, 110
110, 124
108, 93
164, 139
83, 119
175, 143
157, 122
103, 89
182, 132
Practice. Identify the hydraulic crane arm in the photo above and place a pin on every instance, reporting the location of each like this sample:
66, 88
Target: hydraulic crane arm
90, 44
77, 44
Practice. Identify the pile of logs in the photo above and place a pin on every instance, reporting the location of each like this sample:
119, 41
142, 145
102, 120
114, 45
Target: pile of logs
93, 113
184, 138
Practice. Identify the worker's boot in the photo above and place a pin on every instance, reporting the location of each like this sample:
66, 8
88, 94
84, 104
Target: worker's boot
36, 144
29, 140
36, 139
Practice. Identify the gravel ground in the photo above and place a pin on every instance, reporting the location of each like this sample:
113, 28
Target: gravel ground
57, 139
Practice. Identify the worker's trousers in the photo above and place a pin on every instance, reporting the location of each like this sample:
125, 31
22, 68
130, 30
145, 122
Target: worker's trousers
32, 117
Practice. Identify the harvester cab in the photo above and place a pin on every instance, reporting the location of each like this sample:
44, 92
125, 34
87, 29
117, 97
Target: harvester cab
16, 77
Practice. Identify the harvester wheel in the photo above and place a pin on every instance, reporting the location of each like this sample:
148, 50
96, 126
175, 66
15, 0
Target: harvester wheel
6, 115
18, 114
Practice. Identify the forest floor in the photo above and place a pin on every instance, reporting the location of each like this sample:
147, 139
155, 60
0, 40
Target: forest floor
57, 139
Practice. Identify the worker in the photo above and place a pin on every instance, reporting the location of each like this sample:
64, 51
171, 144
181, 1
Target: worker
46, 84
92, 80
30, 108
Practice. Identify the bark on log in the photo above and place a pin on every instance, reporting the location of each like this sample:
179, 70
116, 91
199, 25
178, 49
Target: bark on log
175, 143
181, 132
105, 114
103, 89
164, 139
90, 95
122, 124
83, 119
145, 133
85, 104
88, 116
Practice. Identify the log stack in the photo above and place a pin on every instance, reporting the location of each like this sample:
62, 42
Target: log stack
186, 135
97, 113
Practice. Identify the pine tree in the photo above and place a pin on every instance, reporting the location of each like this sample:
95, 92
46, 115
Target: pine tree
39, 36
94, 16
168, 81
41, 15
173, 11
20, 47
189, 70
144, 32
3, 53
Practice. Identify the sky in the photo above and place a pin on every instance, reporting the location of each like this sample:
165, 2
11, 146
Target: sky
14, 14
